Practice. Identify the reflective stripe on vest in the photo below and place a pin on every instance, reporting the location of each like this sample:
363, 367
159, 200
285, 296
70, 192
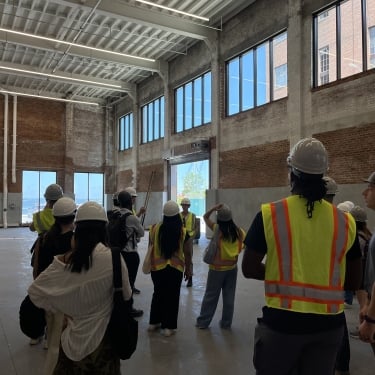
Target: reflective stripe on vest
157, 261
219, 261
286, 288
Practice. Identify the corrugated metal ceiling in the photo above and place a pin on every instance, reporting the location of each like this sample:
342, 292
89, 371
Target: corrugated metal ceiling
90, 49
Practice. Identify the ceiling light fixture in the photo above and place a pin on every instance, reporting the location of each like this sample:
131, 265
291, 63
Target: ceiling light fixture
47, 97
173, 10
75, 44
109, 85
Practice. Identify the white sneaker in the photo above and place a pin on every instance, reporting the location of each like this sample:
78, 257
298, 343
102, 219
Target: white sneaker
36, 341
153, 327
166, 332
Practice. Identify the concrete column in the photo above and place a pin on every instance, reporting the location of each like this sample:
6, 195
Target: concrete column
164, 74
213, 45
67, 178
137, 126
298, 74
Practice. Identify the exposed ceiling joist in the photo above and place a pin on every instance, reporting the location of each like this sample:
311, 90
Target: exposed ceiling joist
31, 41
176, 25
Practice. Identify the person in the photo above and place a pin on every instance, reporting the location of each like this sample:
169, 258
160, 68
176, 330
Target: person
331, 188
222, 274
56, 241
305, 239
367, 313
79, 284
134, 195
170, 260
43, 220
364, 236
133, 232
188, 221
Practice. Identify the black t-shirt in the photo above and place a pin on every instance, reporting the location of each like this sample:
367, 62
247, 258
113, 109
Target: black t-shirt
291, 321
51, 246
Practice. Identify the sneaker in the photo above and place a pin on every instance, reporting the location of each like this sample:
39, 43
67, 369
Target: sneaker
136, 291
136, 313
153, 327
36, 341
166, 332
189, 283
354, 334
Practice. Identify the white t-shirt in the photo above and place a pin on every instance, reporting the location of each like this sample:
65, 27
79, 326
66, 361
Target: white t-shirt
85, 297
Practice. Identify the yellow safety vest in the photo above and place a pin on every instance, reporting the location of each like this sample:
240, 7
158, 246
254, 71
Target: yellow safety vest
157, 261
189, 223
305, 264
43, 220
227, 255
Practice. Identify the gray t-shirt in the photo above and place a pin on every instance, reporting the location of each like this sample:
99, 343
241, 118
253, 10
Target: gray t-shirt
370, 266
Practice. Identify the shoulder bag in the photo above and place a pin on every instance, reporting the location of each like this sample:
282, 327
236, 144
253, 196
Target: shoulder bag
210, 251
122, 327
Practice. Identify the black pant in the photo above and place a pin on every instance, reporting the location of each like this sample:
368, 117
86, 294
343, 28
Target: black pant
132, 263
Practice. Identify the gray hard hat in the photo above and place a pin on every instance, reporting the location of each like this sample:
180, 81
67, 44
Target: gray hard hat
53, 192
308, 156
359, 214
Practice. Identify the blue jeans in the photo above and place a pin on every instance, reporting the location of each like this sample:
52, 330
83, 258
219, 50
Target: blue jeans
218, 281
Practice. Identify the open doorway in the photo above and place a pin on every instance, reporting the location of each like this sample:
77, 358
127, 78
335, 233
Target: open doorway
191, 180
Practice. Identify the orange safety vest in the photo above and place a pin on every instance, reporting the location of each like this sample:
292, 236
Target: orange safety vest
305, 264
227, 255
157, 261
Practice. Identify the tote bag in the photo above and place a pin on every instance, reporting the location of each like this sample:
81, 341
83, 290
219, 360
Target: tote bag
210, 251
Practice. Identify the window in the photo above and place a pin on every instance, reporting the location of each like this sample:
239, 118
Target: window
324, 65
281, 76
372, 47
257, 76
338, 41
153, 120
89, 187
193, 103
34, 184
125, 133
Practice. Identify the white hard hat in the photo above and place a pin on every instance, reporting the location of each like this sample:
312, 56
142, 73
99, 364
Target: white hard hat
349, 204
65, 206
344, 207
330, 185
308, 156
185, 201
53, 192
91, 211
171, 208
131, 191
359, 214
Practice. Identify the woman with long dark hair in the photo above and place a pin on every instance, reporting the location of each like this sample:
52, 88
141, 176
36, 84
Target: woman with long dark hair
80, 285
170, 260
222, 274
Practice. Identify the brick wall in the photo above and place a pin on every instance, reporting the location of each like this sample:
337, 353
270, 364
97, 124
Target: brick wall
256, 166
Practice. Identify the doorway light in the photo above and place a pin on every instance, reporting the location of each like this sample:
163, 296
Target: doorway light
109, 85
75, 44
173, 10
2, 91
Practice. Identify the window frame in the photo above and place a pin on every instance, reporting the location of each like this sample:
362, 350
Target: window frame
338, 19
196, 103
262, 51
152, 129
125, 132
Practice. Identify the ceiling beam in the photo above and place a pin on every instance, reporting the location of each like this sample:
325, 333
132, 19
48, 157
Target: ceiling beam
30, 41
158, 20
73, 79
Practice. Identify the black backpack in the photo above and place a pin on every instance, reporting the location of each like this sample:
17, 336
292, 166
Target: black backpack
116, 229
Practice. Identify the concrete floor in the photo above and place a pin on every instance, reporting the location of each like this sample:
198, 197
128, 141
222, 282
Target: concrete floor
190, 351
